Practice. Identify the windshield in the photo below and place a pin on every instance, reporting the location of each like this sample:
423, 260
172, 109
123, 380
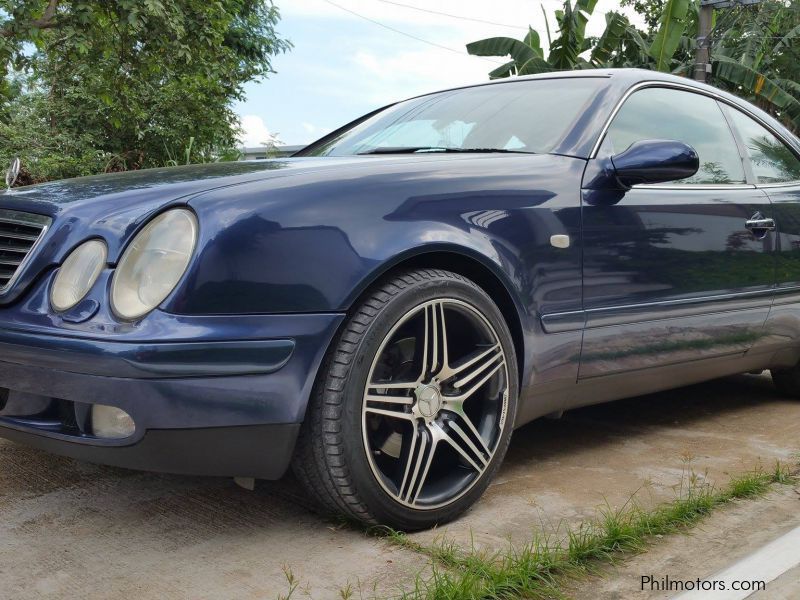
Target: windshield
521, 116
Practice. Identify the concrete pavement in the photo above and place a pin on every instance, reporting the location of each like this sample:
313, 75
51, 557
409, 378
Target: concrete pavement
69, 529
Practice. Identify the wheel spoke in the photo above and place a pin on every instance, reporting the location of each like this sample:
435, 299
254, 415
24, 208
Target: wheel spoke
394, 385
393, 393
443, 323
389, 399
388, 412
465, 447
434, 342
420, 457
482, 371
424, 476
482, 448
482, 359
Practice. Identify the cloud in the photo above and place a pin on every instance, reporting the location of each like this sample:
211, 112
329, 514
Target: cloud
255, 132
391, 77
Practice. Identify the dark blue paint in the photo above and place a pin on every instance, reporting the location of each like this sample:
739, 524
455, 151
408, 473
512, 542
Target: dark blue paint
654, 282
655, 161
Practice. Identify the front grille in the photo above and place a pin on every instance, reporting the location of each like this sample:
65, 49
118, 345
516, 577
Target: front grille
19, 234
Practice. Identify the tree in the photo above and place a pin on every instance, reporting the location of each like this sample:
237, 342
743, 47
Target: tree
651, 10
137, 79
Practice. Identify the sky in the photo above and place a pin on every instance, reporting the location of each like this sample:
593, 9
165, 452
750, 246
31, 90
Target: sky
343, 65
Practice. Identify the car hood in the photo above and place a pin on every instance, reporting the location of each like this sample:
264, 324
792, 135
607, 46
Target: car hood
168, 184
114, 206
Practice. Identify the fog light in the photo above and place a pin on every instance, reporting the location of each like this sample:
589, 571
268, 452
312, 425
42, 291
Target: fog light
111, 423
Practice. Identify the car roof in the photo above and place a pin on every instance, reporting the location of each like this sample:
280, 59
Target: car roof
622, 78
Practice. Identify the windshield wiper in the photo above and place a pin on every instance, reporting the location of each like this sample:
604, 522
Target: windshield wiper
442, 149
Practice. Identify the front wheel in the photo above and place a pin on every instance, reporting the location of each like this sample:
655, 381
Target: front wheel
413, 411
787, 381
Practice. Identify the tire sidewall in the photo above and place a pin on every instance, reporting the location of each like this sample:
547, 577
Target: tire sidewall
384, 508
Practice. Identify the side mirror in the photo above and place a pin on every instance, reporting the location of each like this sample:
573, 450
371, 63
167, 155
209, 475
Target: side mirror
655, 161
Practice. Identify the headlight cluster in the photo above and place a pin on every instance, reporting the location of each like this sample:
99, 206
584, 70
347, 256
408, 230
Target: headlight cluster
78, 274
153, 264
150, 268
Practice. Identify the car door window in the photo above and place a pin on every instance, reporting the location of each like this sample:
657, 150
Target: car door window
772, 160
696, 120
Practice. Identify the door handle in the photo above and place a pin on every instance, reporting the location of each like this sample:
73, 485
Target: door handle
760, 223
768, 224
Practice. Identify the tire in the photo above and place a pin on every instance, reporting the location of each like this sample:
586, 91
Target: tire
404, 453
787, 381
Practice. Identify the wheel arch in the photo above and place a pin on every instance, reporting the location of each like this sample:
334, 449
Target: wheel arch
487, 277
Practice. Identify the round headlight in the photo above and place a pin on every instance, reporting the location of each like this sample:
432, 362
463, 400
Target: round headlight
153, 263
78, 274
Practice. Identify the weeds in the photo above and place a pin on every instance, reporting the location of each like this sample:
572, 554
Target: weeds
539, 568
291, 581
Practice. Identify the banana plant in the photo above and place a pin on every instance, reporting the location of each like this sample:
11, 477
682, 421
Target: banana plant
758, 85
566, 49
620, 45
748, 57
752, 57
527, 56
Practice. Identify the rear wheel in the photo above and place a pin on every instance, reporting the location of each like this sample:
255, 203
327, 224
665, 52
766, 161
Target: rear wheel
413, 412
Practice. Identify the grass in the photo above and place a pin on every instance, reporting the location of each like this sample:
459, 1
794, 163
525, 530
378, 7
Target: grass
540, 568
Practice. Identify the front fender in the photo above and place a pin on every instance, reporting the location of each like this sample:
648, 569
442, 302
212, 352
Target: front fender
313, 243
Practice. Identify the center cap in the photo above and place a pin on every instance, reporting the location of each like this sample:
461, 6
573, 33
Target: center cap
429, 401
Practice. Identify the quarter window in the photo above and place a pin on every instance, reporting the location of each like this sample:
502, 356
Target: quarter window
772, 160
694, 119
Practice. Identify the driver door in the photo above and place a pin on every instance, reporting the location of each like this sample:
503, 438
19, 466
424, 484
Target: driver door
673, 273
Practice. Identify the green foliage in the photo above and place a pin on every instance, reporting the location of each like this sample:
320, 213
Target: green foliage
526, 55
619, 46
136, 79
571, 42
755, 54
672, 27
617, 28
650, 10
746, 79
754, 48
48, 154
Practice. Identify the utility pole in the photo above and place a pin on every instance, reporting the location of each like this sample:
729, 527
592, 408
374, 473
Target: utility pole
702, 63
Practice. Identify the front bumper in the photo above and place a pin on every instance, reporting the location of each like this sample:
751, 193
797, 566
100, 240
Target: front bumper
260, 451
220, 396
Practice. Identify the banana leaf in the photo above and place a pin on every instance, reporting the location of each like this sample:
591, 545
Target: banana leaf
757, 84
519, 51
509, 69
616, 28
787, 41
668, 38
569, 44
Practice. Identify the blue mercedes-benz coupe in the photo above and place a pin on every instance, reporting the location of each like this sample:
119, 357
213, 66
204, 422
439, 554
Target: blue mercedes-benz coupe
381, 310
